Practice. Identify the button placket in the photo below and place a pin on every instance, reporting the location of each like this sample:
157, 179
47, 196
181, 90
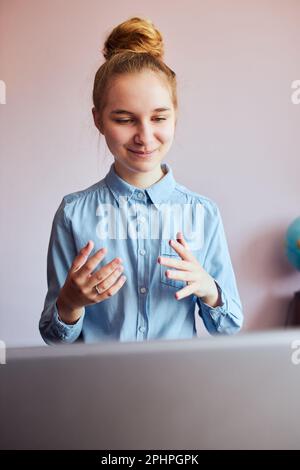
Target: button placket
142, 260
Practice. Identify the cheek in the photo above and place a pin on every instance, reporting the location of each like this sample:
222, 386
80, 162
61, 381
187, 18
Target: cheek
117, 136
166, 134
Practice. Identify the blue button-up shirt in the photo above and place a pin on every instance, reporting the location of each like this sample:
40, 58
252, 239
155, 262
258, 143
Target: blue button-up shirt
145, 307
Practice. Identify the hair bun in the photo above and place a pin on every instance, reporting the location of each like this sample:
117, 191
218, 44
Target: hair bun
135, 35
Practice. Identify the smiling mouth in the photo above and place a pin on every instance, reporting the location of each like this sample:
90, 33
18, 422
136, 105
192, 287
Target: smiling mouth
142, 154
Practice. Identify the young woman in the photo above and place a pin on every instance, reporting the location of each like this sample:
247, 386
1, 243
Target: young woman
133, 221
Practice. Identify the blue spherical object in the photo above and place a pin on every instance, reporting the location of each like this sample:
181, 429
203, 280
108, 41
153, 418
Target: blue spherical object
292, 243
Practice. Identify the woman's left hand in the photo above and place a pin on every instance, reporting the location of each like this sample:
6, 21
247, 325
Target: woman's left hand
188, 269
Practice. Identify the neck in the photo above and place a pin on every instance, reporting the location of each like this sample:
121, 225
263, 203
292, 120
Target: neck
139, 180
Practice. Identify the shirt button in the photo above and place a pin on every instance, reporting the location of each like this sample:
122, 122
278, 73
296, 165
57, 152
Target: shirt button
142, 252
142, 329
143, 290
142, 219
140, 195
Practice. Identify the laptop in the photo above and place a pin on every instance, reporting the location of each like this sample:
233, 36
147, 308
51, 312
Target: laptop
238, 392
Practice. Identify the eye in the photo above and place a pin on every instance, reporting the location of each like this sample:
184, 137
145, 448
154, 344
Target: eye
123, 121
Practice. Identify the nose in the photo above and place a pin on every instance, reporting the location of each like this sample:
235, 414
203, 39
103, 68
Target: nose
144, 135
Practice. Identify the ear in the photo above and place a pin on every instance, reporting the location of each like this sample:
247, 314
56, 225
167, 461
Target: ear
97, 120
176, 116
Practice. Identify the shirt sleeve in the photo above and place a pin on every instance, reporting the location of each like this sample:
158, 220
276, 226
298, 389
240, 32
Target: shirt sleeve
227, 318
61, 253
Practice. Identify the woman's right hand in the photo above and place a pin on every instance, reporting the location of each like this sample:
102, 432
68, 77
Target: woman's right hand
79, 288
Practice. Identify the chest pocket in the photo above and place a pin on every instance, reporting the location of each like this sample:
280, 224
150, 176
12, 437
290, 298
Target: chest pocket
167, 251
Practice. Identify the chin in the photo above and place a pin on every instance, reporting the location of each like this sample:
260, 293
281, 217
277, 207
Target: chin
143, 166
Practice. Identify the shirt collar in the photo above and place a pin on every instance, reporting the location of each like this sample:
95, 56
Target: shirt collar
158, 193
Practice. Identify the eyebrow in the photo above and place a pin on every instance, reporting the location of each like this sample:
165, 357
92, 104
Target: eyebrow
123, 111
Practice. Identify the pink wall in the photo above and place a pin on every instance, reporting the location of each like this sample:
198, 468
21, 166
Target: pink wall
237, 139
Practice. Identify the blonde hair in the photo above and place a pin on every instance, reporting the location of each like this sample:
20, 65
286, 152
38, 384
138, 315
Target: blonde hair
133, 46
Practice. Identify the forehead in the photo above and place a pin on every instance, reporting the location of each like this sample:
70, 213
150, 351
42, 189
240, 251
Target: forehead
139, 92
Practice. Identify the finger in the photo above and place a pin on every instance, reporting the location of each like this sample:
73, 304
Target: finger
104, 272
82, 256
112, 290
181, 275
186, 291
180, 238
175, 263
87, 268
183, 252
109, 280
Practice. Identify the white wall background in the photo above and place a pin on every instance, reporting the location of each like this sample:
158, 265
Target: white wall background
237, 139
